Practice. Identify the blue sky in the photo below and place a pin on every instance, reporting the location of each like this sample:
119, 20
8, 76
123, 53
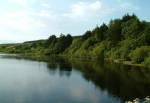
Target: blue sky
23, 20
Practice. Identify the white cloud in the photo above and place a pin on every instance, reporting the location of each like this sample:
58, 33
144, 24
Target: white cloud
29, 21
84, 9
24, 22
16, 21
21, 25
33, 19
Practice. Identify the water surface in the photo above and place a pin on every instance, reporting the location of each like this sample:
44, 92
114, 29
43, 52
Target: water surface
65, 81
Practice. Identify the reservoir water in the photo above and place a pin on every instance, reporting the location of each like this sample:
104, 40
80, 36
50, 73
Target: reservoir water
74, 81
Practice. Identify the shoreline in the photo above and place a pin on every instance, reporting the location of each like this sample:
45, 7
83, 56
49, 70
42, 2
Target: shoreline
44, 57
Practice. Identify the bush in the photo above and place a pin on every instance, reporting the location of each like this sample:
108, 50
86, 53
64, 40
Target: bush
75, 46
147, 62
139, 54
88, 43
98, 51
126, 46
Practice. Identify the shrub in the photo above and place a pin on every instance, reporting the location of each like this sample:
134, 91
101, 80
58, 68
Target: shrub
147, 62
88, 43
98, 51
139, 54
126, 46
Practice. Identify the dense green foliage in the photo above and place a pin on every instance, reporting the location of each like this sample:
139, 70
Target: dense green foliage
126, 38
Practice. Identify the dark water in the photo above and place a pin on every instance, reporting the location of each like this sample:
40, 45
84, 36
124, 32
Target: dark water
70, 81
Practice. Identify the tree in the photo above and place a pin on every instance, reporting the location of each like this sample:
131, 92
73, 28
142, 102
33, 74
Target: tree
51, 40
69, 40
131, 28
114, 31
87, 35
89, 43
127, 17
144, 38
146, 33
100, 32
63, 43
139, 54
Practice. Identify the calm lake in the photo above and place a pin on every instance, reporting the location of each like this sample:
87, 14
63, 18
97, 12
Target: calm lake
70, 81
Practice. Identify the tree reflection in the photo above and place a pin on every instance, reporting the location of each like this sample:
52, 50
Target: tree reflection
123, 82
60, 64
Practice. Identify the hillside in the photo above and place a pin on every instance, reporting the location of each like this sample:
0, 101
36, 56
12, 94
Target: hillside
125, 39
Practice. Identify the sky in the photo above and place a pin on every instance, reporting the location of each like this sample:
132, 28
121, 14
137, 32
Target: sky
25, 20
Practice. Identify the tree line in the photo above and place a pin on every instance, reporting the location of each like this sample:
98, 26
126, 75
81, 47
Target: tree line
126, 38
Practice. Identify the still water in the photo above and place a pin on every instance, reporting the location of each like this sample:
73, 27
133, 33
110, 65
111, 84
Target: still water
69, 81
